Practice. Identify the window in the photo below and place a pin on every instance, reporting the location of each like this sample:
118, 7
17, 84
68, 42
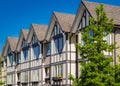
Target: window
34, 39
25, 52
34, 83
24, 44
24, 84
56, 30
47, 72
35, 74
9, 50
58, 70
48, 49
83, 22
19, 58
18, 76
11, 59
58, 45
26, 76
91, 35
36, 50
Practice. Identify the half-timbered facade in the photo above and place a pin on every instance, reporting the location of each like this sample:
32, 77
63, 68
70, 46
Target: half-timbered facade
22, 65
10, 58
35, 39
87, 10
61, 57
47, 54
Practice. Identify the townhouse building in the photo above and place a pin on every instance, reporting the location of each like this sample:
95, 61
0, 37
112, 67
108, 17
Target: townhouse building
87, 10
9, 55
22, 61
46, 55
62, 58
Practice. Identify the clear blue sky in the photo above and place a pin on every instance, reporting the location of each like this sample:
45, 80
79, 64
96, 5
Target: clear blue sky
17, 14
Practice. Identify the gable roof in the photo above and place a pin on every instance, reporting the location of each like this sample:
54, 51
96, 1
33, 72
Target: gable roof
12, 42
25, 33
38, 30
112, 11
65, 20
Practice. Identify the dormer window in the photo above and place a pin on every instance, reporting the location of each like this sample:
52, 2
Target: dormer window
48, 48
83, 22
58, 45
56, 30
36, 51
25, 52
34, 39
9, 50
11, 59
24, 44
19, 58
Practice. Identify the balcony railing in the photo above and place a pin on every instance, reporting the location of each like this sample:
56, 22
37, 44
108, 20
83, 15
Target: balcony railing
57, 78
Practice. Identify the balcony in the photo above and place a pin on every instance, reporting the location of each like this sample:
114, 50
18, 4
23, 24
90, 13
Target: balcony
57, 78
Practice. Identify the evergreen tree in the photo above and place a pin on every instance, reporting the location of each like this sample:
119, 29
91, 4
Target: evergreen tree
97, 69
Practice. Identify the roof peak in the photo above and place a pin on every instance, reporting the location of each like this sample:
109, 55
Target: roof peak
9, 37
100, 3
63, 13
39, 24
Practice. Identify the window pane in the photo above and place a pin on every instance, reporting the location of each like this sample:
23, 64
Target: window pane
56, 46
25, 54
83, 22
60, 70
60, 44
36, 52
48, 49
91, 33
11, 59
19, 58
